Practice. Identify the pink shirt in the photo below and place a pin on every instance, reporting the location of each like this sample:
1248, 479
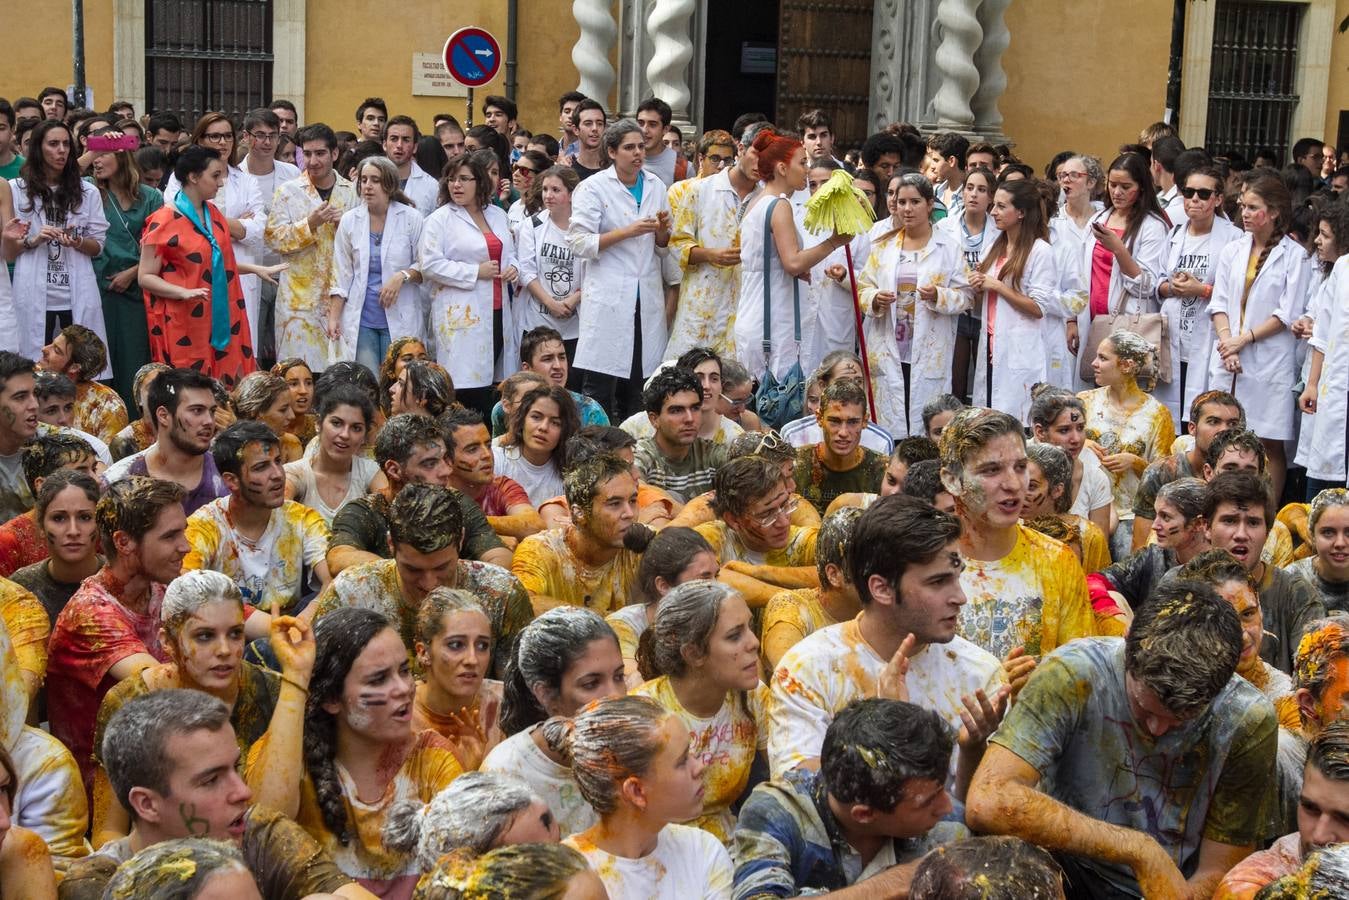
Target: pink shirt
1102, 262
494, 248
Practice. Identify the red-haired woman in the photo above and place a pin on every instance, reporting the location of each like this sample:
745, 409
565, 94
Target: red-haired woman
782, 169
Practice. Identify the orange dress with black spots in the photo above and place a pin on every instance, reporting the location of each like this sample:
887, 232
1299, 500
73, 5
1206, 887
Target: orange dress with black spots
180, 330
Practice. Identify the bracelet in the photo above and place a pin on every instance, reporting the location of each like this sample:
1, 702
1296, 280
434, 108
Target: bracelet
295, 684
1252, 334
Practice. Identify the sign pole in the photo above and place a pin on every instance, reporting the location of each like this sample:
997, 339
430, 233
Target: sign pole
468, 114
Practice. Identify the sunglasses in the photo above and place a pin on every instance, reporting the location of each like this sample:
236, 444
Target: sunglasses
1203, 193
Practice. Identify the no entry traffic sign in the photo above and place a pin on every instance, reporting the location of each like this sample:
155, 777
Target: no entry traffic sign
472, 56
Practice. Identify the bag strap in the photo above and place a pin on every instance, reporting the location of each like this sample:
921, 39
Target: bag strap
767, 282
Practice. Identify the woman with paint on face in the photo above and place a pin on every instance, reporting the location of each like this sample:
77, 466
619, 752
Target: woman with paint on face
635, 764
1126, 427
674, 556
1060, 418
65, 515
703, 660
339, 761
337, 472
1050, 474
912, 289
264, 397
564, 659
300, 378
1322, 447
477, 813
402, 351
520, 871
1187, 285
974, 230
455, 699
1259, 289
203, 631
424, 389
1015, 287
534, 449
1123, 259
1328, 570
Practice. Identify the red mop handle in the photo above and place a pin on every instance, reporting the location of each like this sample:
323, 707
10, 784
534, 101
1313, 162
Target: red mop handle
861, 338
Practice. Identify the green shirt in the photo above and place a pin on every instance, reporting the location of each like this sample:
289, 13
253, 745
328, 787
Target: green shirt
363, 523
122, 245
10, 170
822, 485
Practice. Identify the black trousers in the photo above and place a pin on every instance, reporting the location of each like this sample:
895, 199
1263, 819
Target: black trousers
620, 397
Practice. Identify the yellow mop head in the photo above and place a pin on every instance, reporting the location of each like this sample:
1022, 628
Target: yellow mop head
838, 206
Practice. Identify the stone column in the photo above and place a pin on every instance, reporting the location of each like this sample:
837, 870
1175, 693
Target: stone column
671, 51
961, 36
992, 79
590, 54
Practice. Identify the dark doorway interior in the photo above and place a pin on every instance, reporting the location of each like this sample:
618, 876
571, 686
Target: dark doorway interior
742, 39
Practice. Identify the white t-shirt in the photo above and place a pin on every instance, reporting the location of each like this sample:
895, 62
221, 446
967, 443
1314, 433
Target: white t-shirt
58, 273
540, 482
518, 755
687, 864
662, 165
1095, 491
1194, 257
834, 666
268, 570
550, 262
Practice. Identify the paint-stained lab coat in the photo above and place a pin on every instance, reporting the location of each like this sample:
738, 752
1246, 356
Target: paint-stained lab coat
941, 264
397, 251
23, 321
1019, 355
617, 279
1269, 368
1321, 444
452, 248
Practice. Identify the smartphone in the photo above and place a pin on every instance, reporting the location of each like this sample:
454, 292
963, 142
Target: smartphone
109, 144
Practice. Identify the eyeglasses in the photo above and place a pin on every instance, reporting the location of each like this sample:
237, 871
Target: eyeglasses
767, 520
770, 441
737, 403
463, 179
527, 169
264, 137
1202, 193
1071, 176
718, 160
218, 137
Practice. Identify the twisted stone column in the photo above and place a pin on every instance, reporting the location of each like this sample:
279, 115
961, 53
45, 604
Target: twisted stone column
988, 60
671, 51
590, 54
961, 36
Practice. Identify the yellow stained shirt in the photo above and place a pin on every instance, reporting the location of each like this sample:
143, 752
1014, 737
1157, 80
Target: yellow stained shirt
725, 743
1034, 597
704, 213
546, 566
791, 615
28, 625
99, 410
726, 544
1095, 549
1147, 432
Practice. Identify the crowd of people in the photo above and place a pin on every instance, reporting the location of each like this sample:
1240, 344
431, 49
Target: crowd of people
605, 532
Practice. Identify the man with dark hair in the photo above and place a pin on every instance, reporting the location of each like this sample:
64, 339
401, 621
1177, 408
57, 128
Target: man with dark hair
81, 354
566, 107
792, 614
287, 115
162, 130
370, 118
110, 628
55, 398
18, 424
946, 156
469, 453
924, 482
544, 351
839, 464
817, 135
589, 121
906, 568
400, 144
1211, 412
1306, 153
876, 806
1165, 150
500, 113
301, 228
883, 153
54, 105
409, 449
675, 459
10, 159
1238, 513
174, 765
1151, 756
27, 110
425, 529
257, 537
183, 405
981, 155
450, 134
1026, 591
653, 116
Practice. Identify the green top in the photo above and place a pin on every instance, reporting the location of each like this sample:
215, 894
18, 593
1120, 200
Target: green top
821, 485
10, 170
122, 246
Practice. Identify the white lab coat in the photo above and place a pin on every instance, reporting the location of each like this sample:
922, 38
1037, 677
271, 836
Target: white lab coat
1269, 369
940, 264
829, 321
1019, 340
627, 273
451, 250
1067, 239
1196, 373
422, 189
1321, 443
351, 268
238, 197
23, 324
1140, 293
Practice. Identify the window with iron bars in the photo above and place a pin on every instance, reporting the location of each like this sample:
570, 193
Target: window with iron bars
1252, 84
208, 55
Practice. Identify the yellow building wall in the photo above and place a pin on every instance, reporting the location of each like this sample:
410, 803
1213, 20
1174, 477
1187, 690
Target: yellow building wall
1337, 93
37, 53
355, 49
1081, 76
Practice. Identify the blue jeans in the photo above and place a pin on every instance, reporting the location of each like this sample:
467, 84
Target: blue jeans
371, 346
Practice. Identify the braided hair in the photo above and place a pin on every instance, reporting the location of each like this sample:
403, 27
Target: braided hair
1271, 189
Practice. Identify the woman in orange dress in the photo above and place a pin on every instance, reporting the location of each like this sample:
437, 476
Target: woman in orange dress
194, 305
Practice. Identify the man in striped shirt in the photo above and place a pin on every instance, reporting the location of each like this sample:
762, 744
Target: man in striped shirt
675, 459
